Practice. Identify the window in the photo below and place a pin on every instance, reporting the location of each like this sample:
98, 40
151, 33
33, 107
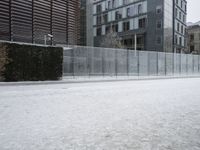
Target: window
180, 15
180, 40
113, 3
178, 27
139, 9
191, 37
158, 9
109, 4
181, 4
115, 28
191, 48
98, 31
176, 39
142, 23
99, 8
126, 26
105, 18
128, 12
107, 29
158, 40
98, 20
176, 1
159, 24
176, 12
125, 2
118, 15
182, 29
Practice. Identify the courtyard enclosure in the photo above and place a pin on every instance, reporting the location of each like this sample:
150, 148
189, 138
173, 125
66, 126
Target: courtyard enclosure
94, 61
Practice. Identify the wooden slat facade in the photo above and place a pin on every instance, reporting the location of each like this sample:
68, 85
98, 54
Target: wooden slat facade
4, 20
29, 20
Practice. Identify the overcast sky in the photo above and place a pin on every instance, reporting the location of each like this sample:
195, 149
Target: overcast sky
193, 10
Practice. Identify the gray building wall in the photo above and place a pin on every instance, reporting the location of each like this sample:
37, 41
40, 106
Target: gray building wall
155, 39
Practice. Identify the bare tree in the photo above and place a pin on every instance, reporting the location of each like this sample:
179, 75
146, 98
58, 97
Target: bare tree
111, 40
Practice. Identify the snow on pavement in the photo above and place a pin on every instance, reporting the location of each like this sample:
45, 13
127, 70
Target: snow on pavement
129, 115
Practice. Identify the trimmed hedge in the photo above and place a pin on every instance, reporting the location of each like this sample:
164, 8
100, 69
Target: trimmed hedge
31, 63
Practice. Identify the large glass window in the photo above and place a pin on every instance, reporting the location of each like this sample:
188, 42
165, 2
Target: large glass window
98, 20
128, 12
159, 24
182, 29
126, 26
113, 3
115, 28
158, 9
180, 40
139, 8
105, 18
178, 26
180, 15
99, 31
118, 15
109, 4
99, 8
142, 23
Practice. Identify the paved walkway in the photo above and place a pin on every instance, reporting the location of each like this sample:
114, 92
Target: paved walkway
129, 115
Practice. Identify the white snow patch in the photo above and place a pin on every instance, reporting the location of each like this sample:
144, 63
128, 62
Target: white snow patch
129, 115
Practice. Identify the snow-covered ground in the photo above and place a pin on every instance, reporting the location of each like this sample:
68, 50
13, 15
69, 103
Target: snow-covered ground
128, 115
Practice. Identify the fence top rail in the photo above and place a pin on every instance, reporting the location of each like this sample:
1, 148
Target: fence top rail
70, 47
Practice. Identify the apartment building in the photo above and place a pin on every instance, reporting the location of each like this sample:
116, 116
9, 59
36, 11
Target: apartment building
156, 25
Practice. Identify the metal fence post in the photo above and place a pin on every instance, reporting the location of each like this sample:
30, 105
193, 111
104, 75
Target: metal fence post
63, 63
193, 64
198, 63
127, 62
138, 63
180, 64
73, 62
187, 64
157, 63
88, 63
174, 64
102, 61
116, 64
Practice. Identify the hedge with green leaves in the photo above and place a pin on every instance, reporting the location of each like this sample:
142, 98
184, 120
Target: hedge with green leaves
30, 63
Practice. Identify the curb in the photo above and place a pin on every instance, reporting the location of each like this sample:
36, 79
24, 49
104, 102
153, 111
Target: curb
70, 81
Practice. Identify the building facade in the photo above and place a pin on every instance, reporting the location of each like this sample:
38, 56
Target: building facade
194, 39
157, 25
31, 20
83, 20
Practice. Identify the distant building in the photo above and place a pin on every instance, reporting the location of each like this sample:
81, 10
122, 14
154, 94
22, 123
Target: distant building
30, 20
194, 39
157, 25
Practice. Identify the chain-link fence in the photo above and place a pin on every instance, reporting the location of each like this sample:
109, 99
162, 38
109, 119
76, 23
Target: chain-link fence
93, 61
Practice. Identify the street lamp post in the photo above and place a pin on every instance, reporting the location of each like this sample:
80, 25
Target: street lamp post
135, 43
50, 36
